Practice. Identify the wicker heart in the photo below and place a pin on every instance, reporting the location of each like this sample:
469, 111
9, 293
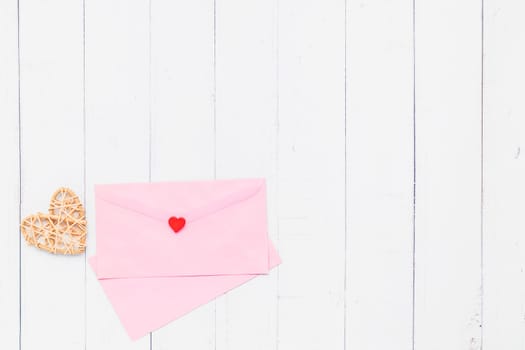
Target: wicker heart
62, 230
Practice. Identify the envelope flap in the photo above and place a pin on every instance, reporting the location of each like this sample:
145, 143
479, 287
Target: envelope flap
191, 200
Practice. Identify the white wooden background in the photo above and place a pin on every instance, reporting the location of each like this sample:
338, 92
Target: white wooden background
390, 133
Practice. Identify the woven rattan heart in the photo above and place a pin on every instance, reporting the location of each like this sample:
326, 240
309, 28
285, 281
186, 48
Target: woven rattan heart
62, 230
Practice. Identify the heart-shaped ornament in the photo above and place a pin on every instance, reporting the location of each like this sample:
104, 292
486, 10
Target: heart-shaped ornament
62, 230
176, 223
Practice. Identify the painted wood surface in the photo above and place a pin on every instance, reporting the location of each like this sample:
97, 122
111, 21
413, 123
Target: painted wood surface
448, 286
52, 305
390, 134
10, 178
504, 170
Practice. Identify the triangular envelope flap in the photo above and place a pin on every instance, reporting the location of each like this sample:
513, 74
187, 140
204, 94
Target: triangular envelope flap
226, 230
190, 199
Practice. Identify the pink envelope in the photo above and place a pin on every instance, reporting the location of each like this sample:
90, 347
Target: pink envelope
152, 274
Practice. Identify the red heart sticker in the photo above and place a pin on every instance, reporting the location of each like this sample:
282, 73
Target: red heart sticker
176, 223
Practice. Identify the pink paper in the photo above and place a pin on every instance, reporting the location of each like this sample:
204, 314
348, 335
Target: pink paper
152, 275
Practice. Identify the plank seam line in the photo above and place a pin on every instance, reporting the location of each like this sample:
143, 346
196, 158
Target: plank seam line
19, 182
214, 102
482, 175
414, 174
150, 120
84, 147
277, 160
345, 283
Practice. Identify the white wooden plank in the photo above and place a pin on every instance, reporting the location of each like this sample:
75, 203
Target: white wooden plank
183, 138
504, 171
9, 178
379, 175
311, 173
246, 145
117, 132
448, 175
51, 92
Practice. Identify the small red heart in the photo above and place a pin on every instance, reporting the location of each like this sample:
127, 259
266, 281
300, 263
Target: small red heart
176, 223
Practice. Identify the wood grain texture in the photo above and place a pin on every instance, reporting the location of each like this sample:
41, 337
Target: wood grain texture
246, 146
9, 178
311, 174
341, 105
504, 173
183, 135
448, 175
380, 175
51, 88
117, 133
